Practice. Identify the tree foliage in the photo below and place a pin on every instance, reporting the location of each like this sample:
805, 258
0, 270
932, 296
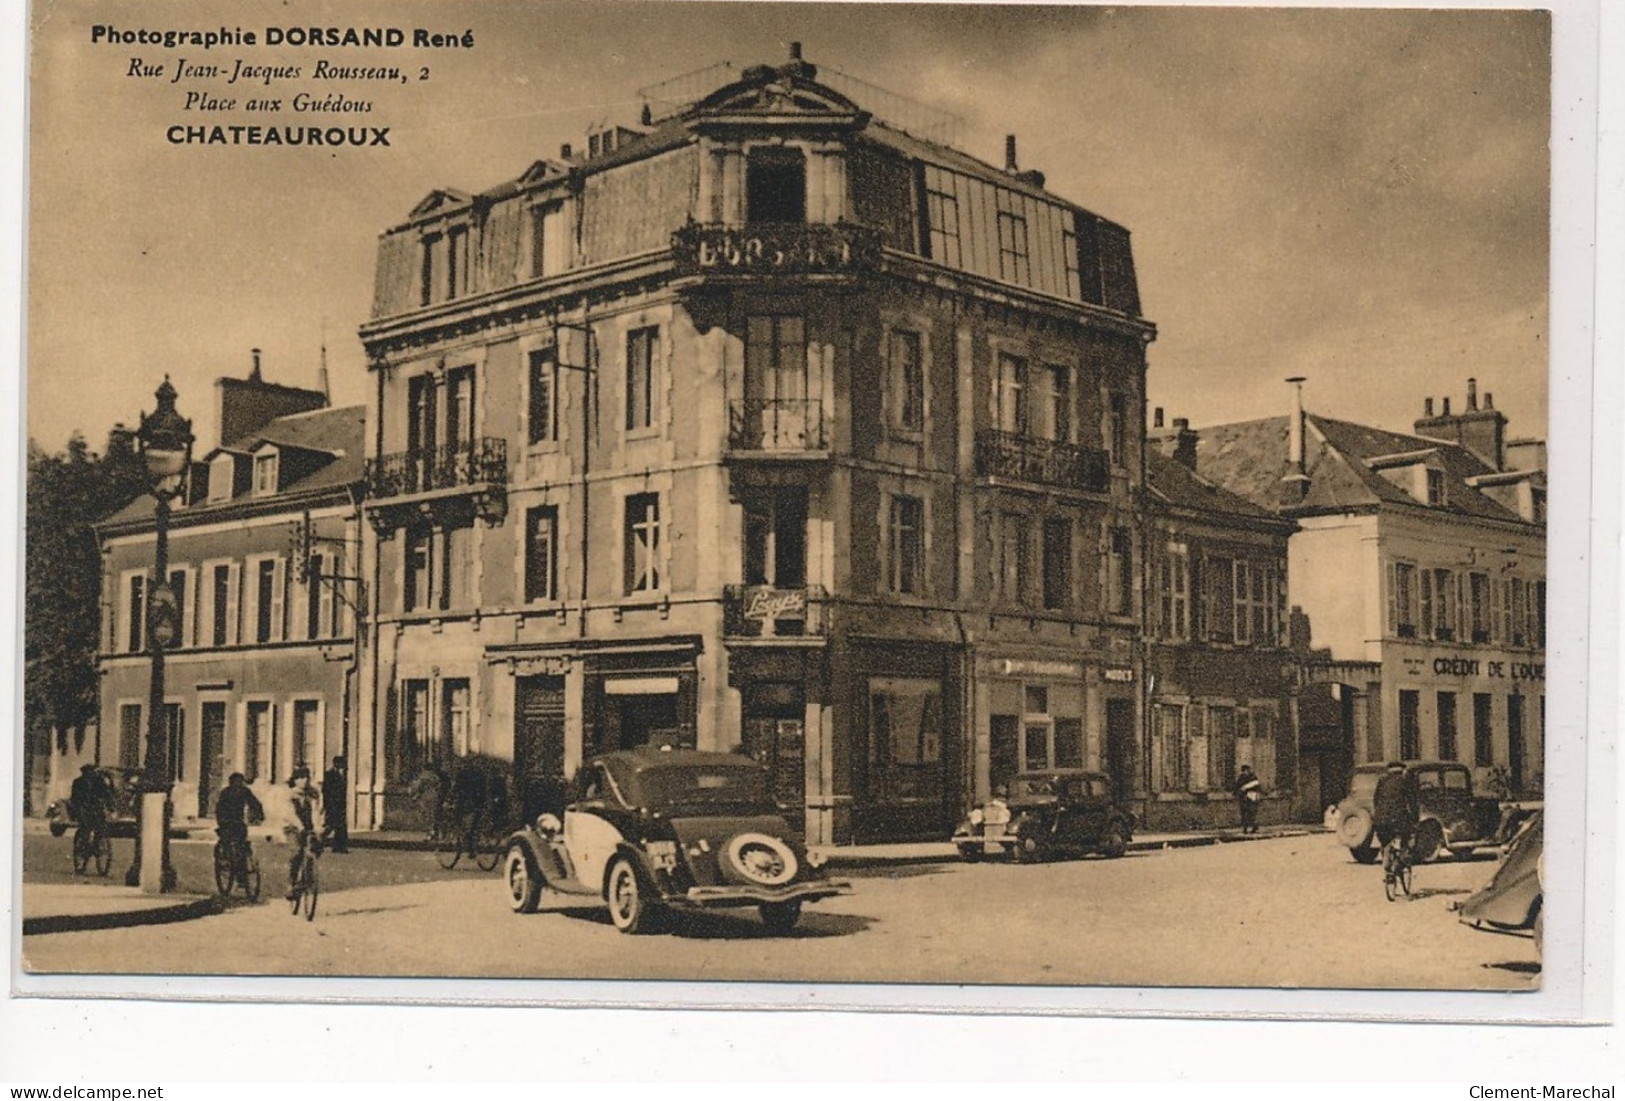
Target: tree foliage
68, 492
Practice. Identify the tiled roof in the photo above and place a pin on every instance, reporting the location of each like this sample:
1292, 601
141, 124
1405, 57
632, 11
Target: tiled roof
1250, 458
1177, 485
337, 432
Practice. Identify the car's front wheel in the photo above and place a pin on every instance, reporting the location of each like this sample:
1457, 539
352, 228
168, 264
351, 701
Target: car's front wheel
1116, 842
524, 882
630, 907
781, 917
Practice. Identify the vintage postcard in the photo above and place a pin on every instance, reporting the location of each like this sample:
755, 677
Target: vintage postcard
1038, 496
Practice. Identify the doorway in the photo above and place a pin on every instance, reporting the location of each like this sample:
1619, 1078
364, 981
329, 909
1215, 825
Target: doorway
1120, 755
538, 745
211, 751
776, 736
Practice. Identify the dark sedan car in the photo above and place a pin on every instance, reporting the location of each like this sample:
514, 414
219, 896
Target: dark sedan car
1047, 813
653, 830
1512, 900
1454, 817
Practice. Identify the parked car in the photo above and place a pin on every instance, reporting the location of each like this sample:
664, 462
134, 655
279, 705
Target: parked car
1064, 810
125, 784
1454, 818
1512, 900
654, 830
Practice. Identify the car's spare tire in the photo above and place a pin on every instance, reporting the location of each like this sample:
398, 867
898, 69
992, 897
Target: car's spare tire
761, 859
1354, 828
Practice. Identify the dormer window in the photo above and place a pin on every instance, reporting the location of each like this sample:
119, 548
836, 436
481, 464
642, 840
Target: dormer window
1436, 497
265, 474
222, 477
776, 186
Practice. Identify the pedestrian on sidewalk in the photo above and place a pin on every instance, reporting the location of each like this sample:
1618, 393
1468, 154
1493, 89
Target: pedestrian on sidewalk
1249, 791
335, 806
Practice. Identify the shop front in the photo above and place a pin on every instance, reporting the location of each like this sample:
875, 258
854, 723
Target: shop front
908, 753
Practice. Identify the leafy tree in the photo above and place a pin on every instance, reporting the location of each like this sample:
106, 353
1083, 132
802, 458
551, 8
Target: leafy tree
68, 493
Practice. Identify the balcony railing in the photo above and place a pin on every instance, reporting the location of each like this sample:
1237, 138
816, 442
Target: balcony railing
764, 611
775, 249
1021, 458
470, 463
777, 424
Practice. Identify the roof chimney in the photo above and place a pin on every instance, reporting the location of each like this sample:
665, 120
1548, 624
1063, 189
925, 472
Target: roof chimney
1156, 417
1184, 443
1472, 395
795, 51
254, 374
564, 152
1489, 400
647, 118
1446, 407
1427, 407
1295, 484
1009, 152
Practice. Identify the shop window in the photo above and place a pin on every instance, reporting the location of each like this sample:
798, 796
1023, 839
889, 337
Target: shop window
1447, 726
129, 735
1068, 743
1035, 747
1012, 394
1012, 563
542, 554
642, 347
776, 186
641, 546
1057, 562
1120, 573
1483, 736
543, 422
1014, 265
942, 218
905, 717
907, 382
906, 545
1410, 724
1004, 752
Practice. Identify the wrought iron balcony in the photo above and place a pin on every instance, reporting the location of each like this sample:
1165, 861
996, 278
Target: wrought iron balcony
472, 464
763, 611
1020, 458
711, 249
777, 424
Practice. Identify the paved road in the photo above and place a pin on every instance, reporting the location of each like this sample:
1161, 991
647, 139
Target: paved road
1292, 911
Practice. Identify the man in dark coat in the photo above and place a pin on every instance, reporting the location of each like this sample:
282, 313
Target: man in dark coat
1249, 791
1395, 806
335, 807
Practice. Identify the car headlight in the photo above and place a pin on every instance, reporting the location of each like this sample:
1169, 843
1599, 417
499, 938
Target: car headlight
662, 854
996, 813
976, 816
817, 858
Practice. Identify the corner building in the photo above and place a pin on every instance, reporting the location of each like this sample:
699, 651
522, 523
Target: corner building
769, 427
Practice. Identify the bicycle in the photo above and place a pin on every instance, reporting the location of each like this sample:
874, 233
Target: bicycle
303, 883
1396, 868
91, 846
477, 836
236, 866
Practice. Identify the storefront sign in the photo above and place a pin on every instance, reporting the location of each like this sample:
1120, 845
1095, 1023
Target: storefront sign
772, 604
1457, 665
788, 249
1119, 676
550, 665
640, 686
1016, 668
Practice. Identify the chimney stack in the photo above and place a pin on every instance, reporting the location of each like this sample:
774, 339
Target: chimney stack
1156, 417
564, 151
1009, 152
795, 51
1427, 407
1472, 395
254, 374
1446, 411
1295, 484
1184, 443
1489, 400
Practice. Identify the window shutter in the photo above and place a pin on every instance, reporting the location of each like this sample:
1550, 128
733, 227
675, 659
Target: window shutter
279, 585
1427, 603
205, 606
234, 585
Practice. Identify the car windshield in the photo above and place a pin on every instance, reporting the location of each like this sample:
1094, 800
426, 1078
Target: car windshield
688, 785
1033, 787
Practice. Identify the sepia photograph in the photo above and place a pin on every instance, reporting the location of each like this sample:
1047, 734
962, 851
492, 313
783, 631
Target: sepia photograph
929, 495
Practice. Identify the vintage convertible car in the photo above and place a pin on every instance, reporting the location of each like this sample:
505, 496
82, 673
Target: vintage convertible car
1454, 818
1511, 901
658, 829
1046, 813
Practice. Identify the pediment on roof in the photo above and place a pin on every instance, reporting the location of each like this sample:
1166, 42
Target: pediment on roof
438, 200
542, 171
766, 93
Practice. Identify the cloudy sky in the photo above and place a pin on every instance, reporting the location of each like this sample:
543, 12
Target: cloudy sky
1358, 196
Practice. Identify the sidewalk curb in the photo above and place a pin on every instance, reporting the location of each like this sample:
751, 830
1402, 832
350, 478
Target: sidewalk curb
119, 919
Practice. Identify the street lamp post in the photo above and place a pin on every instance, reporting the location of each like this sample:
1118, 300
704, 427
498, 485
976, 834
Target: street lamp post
165, 439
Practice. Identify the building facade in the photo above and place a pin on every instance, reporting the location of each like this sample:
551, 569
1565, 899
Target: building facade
1221, 679
767, 427
1419, 563
263, 573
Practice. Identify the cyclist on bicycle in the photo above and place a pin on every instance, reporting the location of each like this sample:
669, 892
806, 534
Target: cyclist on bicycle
305, 799
234, 808
1396, 807
470, 793
90, 799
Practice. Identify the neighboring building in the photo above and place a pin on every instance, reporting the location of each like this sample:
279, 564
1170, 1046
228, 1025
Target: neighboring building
773, 427
262, 567
1220, 678
1420, 563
